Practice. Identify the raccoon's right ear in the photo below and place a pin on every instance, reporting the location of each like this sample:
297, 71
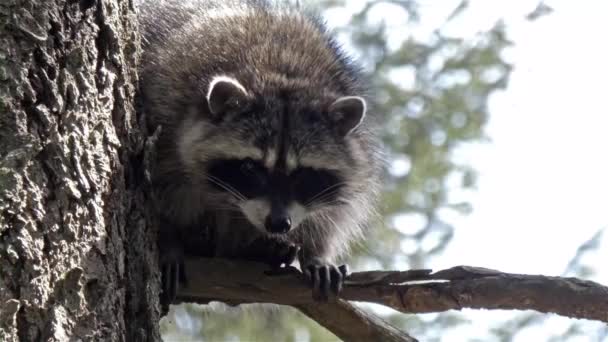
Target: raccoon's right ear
224, 93
347, 113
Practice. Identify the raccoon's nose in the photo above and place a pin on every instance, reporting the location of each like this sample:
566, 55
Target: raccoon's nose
278, 223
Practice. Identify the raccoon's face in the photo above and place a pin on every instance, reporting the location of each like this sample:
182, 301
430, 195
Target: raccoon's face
277, 160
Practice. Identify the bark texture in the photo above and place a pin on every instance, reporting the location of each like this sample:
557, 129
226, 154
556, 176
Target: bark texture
76, 259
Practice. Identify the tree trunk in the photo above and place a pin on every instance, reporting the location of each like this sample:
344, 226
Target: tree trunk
76, 258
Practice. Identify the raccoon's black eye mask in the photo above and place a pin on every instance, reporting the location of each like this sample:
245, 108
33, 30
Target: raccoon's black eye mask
312, 186
247, 176
251, 179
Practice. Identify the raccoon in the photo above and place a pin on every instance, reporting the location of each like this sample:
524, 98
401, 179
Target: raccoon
268, 148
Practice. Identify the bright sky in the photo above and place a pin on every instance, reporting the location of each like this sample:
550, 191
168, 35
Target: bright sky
543, 185
543, 180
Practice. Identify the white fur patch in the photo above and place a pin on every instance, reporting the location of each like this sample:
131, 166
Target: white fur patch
292, 161
318, 162
297, 213
231, 149
192, 131
271, 158
192, 148
256, 211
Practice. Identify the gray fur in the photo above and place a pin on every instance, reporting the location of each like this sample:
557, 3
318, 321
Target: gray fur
292, 70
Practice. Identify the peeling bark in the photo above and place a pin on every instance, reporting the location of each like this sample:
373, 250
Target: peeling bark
76, 259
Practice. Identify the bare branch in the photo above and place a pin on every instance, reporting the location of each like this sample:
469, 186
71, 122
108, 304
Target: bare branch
238, 282
350, 323
417, 291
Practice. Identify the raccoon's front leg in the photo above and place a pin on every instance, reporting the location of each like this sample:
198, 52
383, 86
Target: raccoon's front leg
326, 279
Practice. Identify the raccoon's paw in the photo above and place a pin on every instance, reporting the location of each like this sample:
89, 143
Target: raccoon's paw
282, 252
273, 251
172, 275
326, 279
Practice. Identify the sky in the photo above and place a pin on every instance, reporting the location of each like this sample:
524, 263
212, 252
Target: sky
542, 188
542, 185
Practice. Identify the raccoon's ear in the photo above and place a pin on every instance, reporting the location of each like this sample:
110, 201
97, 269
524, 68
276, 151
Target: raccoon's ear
347, 113
225, 92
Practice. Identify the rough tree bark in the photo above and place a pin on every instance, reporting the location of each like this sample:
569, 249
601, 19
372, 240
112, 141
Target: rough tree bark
76, 261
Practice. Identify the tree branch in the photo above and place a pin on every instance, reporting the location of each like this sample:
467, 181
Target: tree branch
417, 291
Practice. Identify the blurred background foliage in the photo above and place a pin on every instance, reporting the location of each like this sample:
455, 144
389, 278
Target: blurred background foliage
434, 92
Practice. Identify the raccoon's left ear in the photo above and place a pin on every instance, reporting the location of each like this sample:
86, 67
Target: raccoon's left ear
225, 92
347, 113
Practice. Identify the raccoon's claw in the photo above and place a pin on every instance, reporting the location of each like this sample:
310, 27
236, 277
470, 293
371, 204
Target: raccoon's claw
172, 276
326, 280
